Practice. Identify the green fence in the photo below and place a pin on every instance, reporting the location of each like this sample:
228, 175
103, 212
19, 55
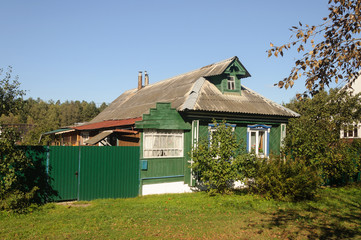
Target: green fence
87, 172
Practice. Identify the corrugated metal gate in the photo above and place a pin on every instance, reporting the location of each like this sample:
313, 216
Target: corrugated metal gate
90, 172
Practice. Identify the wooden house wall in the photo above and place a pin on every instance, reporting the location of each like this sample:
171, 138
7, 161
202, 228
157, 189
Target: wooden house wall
241, 134
161, 170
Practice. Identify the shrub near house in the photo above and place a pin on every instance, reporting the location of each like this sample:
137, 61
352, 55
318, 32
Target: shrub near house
315, 136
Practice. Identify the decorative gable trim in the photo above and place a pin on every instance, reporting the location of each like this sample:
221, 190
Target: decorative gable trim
163, 117
237, 68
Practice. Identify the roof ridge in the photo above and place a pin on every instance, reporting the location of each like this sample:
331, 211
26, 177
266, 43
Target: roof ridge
195, 70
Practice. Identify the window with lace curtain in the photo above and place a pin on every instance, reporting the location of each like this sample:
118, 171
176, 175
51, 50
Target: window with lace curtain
162, 143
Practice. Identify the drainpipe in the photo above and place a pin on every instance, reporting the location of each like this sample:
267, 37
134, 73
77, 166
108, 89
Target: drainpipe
140, 80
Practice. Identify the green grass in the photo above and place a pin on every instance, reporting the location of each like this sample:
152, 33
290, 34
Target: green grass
335, 215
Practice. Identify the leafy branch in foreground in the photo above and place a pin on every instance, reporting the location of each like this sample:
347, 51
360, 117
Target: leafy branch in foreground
331, 50
10, 94
315, 136
14, 192
221, 160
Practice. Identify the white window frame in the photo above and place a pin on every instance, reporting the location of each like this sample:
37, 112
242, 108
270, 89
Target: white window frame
152, 137
212, 128
231, 83
257, 129
283, 133
345, 133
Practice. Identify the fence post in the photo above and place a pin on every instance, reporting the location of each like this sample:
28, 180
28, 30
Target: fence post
79, 173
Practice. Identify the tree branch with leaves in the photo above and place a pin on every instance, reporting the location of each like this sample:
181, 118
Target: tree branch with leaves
330, 51
10, 94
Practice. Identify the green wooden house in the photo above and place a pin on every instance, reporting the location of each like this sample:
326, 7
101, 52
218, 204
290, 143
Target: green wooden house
178, 111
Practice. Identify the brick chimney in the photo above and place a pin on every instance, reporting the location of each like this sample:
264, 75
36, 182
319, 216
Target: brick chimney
146, 78
140, 80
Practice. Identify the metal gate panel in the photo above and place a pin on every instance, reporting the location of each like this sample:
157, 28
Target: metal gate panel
108, 172
63, 168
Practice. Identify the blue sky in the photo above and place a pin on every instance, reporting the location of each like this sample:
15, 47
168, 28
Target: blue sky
93, 50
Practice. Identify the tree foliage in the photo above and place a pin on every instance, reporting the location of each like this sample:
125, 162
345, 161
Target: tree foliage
10, 94
13, 162
315, 136
14, 194
330, 51
221, 159
216, 161
41, 116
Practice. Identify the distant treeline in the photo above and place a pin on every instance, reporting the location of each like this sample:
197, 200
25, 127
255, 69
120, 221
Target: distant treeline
34, 117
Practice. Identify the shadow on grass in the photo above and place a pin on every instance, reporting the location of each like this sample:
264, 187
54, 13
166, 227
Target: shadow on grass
338, 218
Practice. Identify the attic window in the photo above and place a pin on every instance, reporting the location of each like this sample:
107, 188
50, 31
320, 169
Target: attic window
231, 83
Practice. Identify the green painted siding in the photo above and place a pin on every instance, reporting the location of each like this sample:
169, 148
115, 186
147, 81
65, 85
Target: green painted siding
221, 82
203, 131
160, 169
163, 117
241, 134
187, 157
163, 170
275, 139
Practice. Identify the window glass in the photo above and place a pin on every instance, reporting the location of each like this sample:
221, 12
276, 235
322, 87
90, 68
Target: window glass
258, 141
253, 141
231, 83
261, 143
350, 131
162, 143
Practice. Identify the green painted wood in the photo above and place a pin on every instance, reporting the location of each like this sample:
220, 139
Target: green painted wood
63, 165
162, 180
238, 69
235, 69
109, 172
163, 117
162, 167
187, 157
203, 131
275, 139
241, 134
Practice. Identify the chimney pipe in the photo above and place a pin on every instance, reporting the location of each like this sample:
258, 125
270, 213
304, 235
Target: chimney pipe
140, 80
146, 78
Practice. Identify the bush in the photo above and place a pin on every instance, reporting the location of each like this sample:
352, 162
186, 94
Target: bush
315, 135
286, 180
17, 201
216, 162
14, 195
341, 163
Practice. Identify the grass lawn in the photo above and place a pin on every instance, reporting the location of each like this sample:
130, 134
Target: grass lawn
335, 215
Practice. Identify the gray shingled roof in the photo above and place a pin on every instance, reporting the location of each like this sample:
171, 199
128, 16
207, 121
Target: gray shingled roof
191, 91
